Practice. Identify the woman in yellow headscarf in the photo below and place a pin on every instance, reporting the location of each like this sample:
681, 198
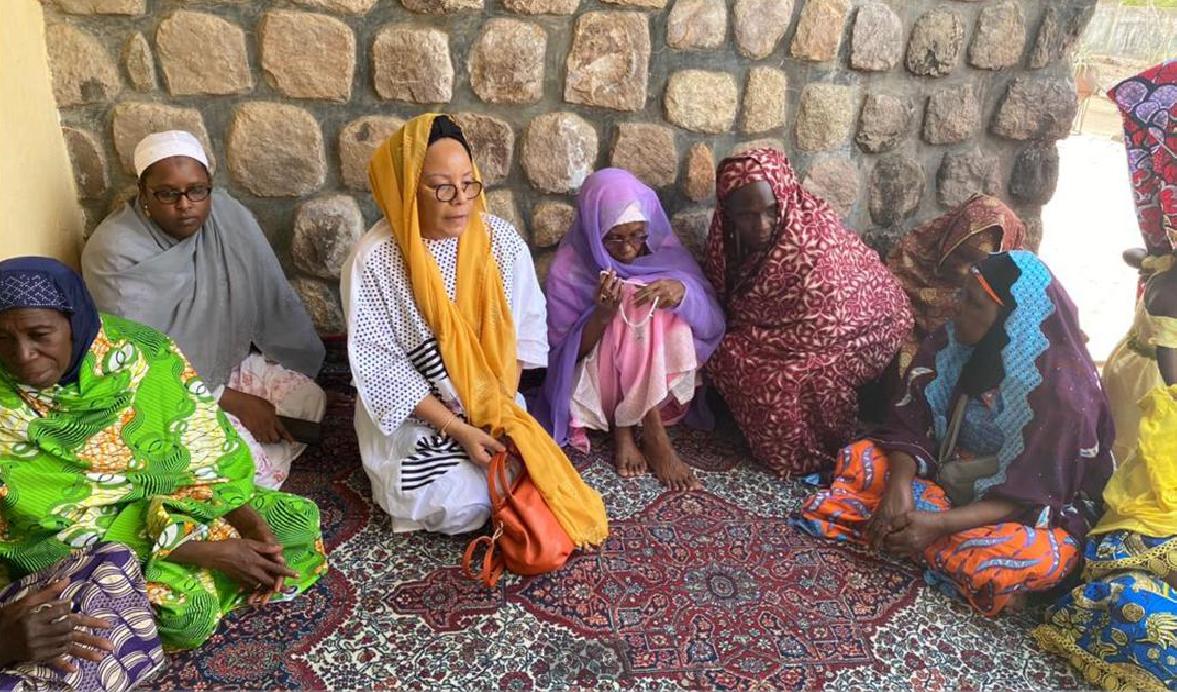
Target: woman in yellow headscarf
444, 310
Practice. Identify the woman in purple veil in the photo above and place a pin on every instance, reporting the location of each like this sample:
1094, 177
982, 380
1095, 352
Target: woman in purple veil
631, 320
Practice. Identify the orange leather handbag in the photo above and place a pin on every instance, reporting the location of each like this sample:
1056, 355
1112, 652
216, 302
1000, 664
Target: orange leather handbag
527, 539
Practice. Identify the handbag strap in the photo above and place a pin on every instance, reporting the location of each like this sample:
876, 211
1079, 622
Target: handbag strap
492, 563
496, 479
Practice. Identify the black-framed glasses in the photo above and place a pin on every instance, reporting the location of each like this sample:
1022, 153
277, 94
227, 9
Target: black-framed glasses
447, 192
197, 193
633, 240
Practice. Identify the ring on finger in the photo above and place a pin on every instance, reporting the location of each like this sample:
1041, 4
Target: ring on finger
59, 618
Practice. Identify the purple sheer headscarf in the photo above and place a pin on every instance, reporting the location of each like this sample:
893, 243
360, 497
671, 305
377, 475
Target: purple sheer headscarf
575, 274
1057, 425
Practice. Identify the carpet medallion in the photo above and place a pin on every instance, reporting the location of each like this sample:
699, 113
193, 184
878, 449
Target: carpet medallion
710, 589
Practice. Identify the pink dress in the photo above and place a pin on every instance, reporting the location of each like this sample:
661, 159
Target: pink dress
642, 361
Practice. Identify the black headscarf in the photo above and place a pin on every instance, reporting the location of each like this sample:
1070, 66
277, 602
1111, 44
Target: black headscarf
984, 370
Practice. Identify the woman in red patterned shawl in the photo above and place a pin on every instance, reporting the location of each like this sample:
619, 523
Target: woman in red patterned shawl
812, 314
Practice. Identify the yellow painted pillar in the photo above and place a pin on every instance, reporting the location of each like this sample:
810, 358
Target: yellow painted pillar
39, 210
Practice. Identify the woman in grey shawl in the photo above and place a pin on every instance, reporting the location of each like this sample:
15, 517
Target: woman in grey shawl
191, 261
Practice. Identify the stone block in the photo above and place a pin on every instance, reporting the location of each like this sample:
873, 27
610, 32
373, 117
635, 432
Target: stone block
700, 176
1000, 36
884, 123
647, 151
697, 24
691, 227
549, 222
493, 142
564, 7
322, 305
936, 42
1036, 108
760, 25
441, 7
825, 116
132, 122
140, 63
819, 30
559, 152
412, 63
203, 54
88, 162
702, 101
876, 44
834, 179
507, 62
896, 188
339, 6
953, 115
501, 203
609, 62
765, 99
1061, 26
649, 4
357, 141
1035, 173
963, 174
125, 7
325, 229
276, 150
83, 72
309, 56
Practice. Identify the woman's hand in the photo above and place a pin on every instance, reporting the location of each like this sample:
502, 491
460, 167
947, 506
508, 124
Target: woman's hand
898, 500
253, 526
479, 445
257, 415
668, 292
255, 565
40, 628
914, 532
608, 297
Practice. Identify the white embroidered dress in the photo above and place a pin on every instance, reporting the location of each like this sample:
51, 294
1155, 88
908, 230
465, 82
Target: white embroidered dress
424, 481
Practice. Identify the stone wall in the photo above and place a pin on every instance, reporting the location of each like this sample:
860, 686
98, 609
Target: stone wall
891, 110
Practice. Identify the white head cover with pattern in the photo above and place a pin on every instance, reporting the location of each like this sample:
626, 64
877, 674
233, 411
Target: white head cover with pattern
164, 145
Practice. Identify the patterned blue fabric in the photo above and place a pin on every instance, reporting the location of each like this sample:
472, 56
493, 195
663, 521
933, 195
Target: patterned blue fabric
1019, 359
1121, 629
979, 432
29, 289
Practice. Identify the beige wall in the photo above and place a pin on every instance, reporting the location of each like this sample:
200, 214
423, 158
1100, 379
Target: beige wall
39, 212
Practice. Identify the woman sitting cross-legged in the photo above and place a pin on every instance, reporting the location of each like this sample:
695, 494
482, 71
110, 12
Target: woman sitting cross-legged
989, 467
631, 320
107, 434
444, 310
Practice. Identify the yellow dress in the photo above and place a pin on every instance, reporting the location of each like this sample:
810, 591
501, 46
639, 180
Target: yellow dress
1131, 372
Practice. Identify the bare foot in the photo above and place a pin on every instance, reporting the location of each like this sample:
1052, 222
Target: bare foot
1017, 603
664, 461
626, 456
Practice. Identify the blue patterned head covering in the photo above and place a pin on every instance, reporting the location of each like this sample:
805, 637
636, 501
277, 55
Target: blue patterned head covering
42, 282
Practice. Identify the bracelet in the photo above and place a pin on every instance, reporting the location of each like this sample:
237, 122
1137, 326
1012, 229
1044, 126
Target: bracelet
449, 421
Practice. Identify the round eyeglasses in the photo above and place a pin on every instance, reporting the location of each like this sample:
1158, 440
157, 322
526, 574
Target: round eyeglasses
448, 192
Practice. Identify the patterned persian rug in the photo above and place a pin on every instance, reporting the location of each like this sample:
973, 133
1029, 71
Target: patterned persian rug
711, 589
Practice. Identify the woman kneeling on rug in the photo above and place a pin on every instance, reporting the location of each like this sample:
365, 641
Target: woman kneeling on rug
1120, 627
989, 465
108, 434
631, 320
444, 310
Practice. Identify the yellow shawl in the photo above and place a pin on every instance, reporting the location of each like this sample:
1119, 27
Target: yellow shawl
475, 332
